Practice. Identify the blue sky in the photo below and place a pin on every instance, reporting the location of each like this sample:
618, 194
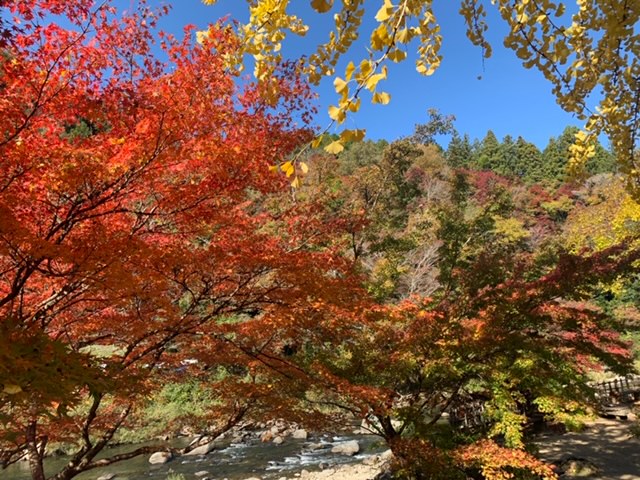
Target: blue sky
506, 98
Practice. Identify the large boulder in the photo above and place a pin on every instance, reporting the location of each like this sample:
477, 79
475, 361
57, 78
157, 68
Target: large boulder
202, 449
387, 456
346, 448
160, 457
300, 434
107, 476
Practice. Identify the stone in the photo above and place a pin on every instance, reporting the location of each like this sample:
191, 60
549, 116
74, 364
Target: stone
372, 460
578, 467
278, 440
201, 473
266, 436
202, 449
316, 446
107, 476
199, 439
300, 434
386, 456
160, 457
346, 448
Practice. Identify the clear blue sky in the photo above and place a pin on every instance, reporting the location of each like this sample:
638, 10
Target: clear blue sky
506, 99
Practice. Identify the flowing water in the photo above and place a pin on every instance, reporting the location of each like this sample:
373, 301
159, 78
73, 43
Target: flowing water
230, 461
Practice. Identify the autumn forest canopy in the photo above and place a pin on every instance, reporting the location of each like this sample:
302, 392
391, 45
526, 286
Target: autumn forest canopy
173, 226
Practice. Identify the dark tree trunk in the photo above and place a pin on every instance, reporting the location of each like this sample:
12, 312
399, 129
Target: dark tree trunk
35, 452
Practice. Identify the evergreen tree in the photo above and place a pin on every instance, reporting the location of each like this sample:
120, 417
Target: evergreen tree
555, 156
504, 162
528, 160
460, 151
488, 151
602, 162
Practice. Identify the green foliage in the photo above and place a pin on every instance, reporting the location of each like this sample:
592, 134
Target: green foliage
176, 405
360, 154
175, 476
521, 159
460, 151
437, 125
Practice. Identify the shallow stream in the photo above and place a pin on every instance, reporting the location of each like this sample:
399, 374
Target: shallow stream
230, 461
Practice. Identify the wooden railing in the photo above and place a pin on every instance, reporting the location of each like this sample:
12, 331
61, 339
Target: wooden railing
619, 389
615, 397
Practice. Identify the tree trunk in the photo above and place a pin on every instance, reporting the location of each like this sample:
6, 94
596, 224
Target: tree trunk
36, 454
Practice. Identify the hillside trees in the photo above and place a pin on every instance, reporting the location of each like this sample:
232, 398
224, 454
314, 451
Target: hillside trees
587, 50
130, 230
522, 159
502, 314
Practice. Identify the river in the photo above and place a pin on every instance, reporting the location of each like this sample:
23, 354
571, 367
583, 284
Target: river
230, 461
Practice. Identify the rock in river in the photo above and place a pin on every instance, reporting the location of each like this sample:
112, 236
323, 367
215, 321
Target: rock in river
346, 448
160, 457
202, 449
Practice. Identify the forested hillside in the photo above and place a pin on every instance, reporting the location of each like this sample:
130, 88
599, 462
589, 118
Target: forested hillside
519, 158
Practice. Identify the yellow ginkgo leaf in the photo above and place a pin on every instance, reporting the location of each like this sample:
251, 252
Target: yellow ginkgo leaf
381, 97
397, 55
317, 141
296, 183
334, 147
403, 35
321, 6
304, 167
340, 85
385, 11
349, 71
336, 114
288, 168
373, 80
352, 135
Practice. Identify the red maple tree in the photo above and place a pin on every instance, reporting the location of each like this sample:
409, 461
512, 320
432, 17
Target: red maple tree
130, 232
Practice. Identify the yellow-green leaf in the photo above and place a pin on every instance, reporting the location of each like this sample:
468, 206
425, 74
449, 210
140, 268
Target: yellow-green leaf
334, 147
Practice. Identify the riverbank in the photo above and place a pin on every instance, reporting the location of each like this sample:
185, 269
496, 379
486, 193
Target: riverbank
605, 450
358, 471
